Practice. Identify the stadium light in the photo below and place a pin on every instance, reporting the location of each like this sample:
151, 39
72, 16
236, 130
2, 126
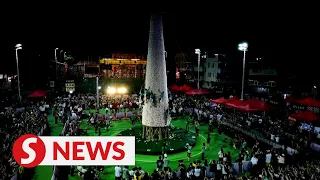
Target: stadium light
243, 47
111, 90
197, 51
122, 90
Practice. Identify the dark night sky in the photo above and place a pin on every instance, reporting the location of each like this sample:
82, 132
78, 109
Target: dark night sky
291, 39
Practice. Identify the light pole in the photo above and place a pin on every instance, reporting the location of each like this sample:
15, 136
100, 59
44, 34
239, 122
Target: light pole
60, 56
18, 46
243, 47
64, 56
197, 51
97, 89
56, 60
314, 92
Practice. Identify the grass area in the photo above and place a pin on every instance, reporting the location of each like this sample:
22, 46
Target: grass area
147, 162
176, 143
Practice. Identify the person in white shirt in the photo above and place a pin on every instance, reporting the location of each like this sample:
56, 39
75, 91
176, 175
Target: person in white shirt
277, 139
281, 160
219, 116
272, 137
254, 160
220, 153
60, 114
73, 116
224, 172
117, 172
81, 171
92, 120
268, 158
42, 109
197, 172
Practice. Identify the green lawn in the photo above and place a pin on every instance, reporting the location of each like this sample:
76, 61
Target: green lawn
147, 162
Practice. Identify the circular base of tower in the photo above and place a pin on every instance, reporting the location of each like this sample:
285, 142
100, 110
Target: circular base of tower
155, 133
175, 143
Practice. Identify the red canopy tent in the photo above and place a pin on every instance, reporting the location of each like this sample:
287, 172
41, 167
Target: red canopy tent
309, 102
306, 115
236, 103
231, 99
262, 105
186, 87
219, 101
248, 108
37, 94
291, 100
174, 87
197, 92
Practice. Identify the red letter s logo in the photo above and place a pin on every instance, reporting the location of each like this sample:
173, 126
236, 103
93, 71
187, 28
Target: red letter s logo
120, 151
29, 150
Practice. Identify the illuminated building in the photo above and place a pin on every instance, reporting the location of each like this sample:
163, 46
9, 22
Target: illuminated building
123, 65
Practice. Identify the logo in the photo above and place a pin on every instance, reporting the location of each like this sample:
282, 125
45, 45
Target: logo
30, 150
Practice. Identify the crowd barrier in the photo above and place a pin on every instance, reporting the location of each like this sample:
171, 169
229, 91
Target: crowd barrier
63, 133
120, 115
269, 142
43, 129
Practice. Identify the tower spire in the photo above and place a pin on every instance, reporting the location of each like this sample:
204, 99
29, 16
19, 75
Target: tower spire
155, 118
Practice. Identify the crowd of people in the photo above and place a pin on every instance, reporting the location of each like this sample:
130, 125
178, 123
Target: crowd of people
27, 118
265, 162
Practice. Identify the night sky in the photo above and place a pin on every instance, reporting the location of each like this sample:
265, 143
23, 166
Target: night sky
291, 40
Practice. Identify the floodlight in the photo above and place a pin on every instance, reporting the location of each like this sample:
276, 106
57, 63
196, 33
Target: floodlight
122, 90
18, 46
243, 46
111, 90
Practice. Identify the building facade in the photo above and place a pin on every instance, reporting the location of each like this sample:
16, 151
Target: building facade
217, 73
123, 65
211, 71
262, 78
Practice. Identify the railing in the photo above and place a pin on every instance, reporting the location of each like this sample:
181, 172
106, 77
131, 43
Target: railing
63, 133
271, 143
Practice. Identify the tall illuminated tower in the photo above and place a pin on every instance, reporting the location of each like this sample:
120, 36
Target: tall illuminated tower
155, 118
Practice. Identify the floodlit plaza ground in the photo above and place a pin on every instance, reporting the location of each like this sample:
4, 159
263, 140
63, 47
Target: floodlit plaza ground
147, 162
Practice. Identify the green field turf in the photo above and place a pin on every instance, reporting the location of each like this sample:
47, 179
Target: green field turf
147, 162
